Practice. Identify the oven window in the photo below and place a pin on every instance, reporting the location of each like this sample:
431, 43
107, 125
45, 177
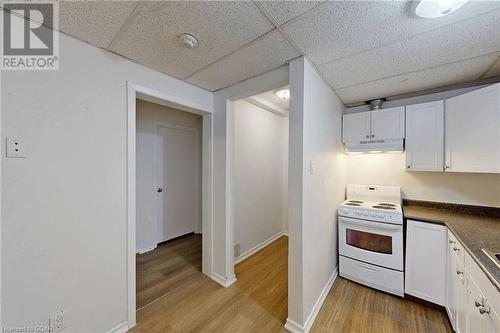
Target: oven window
368, 241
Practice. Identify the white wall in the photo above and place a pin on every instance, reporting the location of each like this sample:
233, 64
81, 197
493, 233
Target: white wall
148, 115
64, 206
389, 169
315, 136
260, 165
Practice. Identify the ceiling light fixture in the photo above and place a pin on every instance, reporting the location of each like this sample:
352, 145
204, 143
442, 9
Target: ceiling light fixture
436, 8
283, 93
187, 40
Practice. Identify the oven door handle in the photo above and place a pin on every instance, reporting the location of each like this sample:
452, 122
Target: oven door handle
373, 225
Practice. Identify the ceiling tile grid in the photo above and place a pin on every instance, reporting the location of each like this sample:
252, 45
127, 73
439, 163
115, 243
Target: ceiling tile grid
438, 47
365, 49
449, 74
261, 56
339, 29
94, 22
220, 27
284, 11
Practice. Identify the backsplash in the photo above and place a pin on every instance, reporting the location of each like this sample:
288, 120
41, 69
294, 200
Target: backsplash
459, 188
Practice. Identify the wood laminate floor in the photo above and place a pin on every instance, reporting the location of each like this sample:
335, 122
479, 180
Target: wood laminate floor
167, 267
257, 302
351, 307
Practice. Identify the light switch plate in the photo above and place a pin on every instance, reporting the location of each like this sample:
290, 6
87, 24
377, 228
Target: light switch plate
312, 167
15, 147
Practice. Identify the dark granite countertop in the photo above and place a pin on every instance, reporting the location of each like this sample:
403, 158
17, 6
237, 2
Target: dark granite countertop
475, 227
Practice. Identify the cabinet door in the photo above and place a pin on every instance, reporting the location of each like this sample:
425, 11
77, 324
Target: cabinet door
356, 127
455, 284
387, 124
472, 141
425, 136
425, 275
477, 321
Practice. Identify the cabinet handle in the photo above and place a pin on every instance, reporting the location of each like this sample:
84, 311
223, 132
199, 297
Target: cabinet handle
452, 242
373, 135
446, 166
409, 166
458, 272
484, 309
478, 304
456, 249
367, 136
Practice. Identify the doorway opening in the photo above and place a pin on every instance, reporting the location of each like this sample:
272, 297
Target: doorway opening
260, 127
168, 200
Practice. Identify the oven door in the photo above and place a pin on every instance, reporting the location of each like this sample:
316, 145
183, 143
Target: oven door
372, 242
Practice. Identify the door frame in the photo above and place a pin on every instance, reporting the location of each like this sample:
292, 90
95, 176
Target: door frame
196, 226
134, 92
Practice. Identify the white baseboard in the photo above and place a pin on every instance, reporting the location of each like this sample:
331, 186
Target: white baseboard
293, 327
120, 328
225, 282
147, 249
258, 247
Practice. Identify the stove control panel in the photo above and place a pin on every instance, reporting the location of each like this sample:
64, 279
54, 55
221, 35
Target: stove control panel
395, 218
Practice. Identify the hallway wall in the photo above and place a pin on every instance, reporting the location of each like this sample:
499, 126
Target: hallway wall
260, 171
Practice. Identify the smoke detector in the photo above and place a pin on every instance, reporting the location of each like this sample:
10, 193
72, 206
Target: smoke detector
187, 40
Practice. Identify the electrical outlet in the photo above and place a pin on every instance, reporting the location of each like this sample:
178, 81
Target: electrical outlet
56, 322
15, 147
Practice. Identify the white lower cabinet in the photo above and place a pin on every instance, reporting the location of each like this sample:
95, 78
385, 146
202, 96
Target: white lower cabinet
472, 301
455, 284
426, 261
481, 316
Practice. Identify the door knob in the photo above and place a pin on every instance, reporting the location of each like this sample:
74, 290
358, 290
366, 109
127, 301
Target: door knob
159, 190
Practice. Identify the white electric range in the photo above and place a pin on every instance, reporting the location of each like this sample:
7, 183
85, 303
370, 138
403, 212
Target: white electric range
371, 237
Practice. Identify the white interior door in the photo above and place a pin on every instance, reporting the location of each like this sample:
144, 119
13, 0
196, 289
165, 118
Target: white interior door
177, 180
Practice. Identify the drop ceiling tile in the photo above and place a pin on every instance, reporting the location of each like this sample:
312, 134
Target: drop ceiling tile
445, 45
261, 56
220, 27
284, 11
341, 28
94, 22
463, 71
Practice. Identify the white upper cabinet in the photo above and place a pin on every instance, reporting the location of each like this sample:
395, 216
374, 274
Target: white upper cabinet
388, 124
385, 124
356, 127
473, 131
425, 136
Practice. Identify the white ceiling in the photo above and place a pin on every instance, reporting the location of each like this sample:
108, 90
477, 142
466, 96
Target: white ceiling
364, 49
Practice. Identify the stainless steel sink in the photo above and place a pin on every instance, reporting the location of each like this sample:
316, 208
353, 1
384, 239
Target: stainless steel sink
495, 257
